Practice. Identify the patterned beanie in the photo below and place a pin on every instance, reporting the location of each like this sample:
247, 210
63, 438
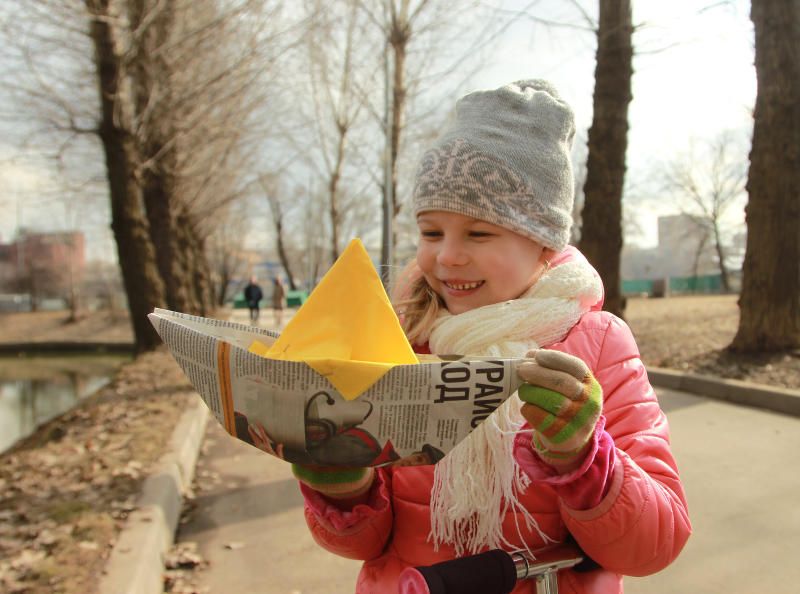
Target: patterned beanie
505, 159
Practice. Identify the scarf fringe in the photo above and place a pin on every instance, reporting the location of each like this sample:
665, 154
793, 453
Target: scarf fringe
471, 480
479, 481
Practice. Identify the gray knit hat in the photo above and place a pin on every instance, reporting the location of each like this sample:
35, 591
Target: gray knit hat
505, 159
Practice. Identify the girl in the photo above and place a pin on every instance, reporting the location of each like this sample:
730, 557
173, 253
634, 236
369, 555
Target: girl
584, 454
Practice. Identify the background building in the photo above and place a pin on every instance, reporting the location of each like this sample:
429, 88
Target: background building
685, 259
48, 268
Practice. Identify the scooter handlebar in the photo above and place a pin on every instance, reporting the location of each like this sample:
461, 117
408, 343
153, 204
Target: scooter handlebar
492, 572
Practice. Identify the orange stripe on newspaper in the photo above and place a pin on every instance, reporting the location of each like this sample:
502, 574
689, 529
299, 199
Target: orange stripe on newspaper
223, 364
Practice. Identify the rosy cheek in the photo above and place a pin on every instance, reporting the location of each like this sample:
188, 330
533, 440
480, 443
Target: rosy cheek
424, 260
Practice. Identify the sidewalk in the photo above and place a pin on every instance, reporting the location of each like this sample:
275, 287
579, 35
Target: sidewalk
741, 473
248, 525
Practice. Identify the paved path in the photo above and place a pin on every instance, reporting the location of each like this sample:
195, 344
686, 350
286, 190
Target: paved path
741, 470
740, 467
250, 527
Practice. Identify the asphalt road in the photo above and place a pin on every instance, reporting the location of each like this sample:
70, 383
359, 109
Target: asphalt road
740, 467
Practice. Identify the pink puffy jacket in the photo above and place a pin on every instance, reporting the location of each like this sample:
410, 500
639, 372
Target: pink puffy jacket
625, 506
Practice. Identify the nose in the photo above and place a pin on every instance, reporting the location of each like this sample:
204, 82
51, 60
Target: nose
452, 252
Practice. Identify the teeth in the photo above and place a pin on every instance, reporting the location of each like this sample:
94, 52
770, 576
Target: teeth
465, 286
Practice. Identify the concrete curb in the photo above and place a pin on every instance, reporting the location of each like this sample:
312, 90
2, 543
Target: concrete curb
781, 400
136, 563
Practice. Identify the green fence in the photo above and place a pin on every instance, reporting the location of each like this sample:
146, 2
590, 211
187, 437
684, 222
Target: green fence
296, 298
637, 287
239, 301
709, 283
293, 299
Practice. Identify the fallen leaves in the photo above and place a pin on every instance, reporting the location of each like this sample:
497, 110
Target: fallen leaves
65, 494
181, 558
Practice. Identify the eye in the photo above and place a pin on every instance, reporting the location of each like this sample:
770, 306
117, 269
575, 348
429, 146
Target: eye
429, 234
480, 234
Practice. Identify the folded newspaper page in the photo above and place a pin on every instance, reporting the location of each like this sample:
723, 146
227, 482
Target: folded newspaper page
288, 408
341, 385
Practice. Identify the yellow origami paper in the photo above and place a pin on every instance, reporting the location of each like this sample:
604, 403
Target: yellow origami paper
347, 330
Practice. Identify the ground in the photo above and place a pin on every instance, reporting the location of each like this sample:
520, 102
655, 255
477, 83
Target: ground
66, 491
690, 334
46, 326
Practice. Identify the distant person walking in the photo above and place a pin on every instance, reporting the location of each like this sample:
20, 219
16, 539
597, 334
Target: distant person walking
278, 298
253, 295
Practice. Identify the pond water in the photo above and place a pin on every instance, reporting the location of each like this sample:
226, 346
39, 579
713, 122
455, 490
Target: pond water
33, 390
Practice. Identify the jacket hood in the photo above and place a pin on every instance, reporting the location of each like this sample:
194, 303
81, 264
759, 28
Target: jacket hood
573, 254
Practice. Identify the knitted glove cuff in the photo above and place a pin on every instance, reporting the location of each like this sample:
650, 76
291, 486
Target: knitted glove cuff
336, 483
545, 451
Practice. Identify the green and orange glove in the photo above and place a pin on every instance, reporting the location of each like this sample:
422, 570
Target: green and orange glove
562, 402
344, 484
348, 485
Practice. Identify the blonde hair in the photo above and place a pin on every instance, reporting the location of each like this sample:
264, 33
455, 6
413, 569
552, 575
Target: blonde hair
416, 303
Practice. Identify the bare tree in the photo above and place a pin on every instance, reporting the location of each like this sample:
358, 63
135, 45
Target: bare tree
332, 70
707, 185
195, 106
400, 21
152, 25
601, 241
143, 284
312, 254
770, 298
277, 200
579, 154
423, 44
179, 83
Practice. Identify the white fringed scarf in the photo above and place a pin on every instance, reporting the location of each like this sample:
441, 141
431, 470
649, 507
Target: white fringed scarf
477, 483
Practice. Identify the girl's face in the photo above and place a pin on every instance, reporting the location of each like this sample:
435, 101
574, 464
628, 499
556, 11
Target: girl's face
471, 263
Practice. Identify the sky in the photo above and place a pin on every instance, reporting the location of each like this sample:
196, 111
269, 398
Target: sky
693, 79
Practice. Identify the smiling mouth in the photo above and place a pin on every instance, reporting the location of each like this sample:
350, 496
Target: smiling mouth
463, 286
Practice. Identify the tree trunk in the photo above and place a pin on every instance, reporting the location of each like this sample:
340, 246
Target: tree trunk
723, 269
140, 276
202, 279
158, 202
698, 253
154, 100
387, 198
770, 300
399, 35
223, 277
284, 258
193, 265
333, 191
399, 94
601, 235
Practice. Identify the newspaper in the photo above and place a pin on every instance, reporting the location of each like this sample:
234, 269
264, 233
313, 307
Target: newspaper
287, 408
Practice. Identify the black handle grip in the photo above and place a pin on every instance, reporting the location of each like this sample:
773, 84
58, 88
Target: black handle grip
491, 572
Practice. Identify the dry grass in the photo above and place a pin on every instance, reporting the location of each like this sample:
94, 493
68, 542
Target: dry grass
690, 333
